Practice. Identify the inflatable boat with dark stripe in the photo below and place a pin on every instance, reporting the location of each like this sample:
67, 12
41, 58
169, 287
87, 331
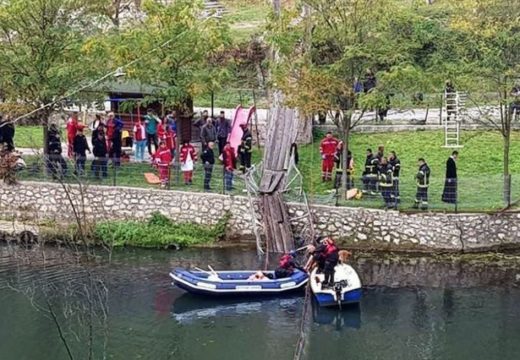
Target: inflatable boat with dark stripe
234, 283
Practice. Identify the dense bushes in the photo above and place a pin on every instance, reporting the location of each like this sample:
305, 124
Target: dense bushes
158, 232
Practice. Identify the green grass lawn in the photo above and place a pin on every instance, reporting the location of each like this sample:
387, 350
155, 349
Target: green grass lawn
246, 17
28, 136
479, 167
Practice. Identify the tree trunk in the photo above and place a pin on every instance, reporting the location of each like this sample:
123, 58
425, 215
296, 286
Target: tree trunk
507, 176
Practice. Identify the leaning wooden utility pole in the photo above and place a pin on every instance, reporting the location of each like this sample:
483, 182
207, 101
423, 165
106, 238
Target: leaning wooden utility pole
281, 134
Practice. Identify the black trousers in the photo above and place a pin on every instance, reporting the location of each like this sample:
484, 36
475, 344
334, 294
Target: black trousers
99, 165
151, 138
245, 160
208, 172
56, 165
221, 144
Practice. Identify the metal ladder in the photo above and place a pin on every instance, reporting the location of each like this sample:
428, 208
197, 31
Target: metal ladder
454, 112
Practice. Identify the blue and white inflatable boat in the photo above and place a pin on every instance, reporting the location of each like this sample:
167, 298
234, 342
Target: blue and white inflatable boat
345, 290
235, 283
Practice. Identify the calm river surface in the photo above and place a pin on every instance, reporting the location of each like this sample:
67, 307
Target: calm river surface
413, 308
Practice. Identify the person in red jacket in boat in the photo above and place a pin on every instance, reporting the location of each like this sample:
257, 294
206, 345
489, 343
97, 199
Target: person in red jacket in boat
328, 148
162, 159
286, 266
326, 256
188, 156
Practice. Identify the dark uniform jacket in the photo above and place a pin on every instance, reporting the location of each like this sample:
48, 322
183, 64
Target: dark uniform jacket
54, 142
396, 166
451, 169
208, 156
423, 176
99, 147
247, 141
80, 145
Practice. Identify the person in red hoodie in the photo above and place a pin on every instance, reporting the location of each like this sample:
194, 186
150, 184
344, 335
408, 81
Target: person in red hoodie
72, 130
229, 161
162, 159
328, 151
111, 126
188, 156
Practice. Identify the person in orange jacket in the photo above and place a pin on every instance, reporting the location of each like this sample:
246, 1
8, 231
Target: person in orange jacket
188, 156
162, 159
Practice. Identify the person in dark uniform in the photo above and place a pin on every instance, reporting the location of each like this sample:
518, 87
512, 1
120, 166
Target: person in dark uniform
208, 161
370, 173
395, 163
7, 133
386, 183
449, 195
423, 182
56, 164
246, 148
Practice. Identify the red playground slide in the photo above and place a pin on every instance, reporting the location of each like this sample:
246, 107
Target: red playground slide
242, 116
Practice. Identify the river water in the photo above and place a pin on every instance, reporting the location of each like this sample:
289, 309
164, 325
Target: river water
413, 308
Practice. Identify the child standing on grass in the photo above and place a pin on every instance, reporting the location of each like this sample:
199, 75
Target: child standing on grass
162, 159
188, 156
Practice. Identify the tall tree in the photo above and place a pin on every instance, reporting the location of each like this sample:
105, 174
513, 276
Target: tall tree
492, 58
44, 52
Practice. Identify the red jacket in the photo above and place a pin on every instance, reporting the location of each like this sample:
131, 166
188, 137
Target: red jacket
185, 150
170, 138
161, 132
139, 133
163, 156
330, 249
111, 126
328, 146
72, 128
229, 158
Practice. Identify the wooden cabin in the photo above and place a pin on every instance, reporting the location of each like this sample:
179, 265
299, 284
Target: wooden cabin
129, 100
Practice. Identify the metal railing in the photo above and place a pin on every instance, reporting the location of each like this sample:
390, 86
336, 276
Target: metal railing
476, 193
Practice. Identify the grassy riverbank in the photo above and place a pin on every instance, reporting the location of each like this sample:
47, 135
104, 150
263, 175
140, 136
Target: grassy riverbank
479, 169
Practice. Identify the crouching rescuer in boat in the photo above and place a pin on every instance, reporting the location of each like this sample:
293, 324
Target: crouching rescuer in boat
326, 256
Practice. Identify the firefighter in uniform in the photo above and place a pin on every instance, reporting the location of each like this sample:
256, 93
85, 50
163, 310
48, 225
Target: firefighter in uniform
423, 182
328, 150
338, 159
386, 183
245, 149
370, 174
394, 161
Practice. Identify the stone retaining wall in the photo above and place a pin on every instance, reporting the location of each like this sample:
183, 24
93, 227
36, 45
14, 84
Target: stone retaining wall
363, 228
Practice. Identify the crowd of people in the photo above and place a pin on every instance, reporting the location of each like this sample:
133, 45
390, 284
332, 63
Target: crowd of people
159, 137
381, 174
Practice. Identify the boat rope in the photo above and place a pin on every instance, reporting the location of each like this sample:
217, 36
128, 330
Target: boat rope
300, 345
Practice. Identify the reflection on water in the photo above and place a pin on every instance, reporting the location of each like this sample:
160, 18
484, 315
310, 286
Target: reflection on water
412, 308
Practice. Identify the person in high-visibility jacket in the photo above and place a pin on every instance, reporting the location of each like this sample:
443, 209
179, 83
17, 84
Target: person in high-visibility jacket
245, 149
328, 148
394, 161
369, 176
386, 182
423, 182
